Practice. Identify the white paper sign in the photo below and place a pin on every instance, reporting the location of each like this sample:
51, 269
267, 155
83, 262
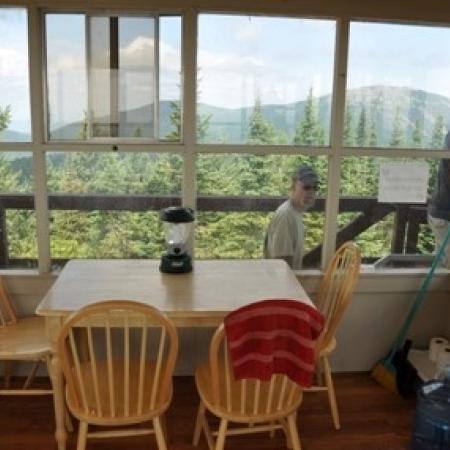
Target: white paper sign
403, 182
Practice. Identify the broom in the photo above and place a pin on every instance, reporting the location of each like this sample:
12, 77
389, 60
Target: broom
389, 371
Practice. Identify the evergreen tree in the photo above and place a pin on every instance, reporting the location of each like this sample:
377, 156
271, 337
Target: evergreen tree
309, 131
397, 135
437, 137
260, 130
375, 118
417, 134
5, 117
373, 136
175, 120
348, 138
361, 129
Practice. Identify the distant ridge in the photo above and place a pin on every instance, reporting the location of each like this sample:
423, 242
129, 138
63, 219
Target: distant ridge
231, 125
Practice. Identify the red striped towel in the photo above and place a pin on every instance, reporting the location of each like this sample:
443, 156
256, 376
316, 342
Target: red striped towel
274, 336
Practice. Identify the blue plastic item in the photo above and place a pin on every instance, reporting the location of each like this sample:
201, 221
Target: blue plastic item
432, 421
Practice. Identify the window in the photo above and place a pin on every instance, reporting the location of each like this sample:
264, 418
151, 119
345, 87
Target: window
15, 118
381, 228
397, 87
104, 212
17, 217
249, 188
264, 80
123, 70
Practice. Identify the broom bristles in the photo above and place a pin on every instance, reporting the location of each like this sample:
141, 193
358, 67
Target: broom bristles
385, 376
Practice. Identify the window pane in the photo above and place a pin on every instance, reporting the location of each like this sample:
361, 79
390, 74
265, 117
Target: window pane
66, 76
381, 228
170, 122
397, 87
18, 245
264, 80
15, 117
117, 81
91, 182
137, 76
242, 192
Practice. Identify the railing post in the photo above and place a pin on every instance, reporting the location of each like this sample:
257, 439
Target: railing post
398, 238
413, 235
3, 239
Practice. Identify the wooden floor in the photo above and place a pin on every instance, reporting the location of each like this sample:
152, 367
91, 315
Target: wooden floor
372, 419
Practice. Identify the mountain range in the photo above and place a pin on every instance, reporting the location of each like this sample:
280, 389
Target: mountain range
382, 105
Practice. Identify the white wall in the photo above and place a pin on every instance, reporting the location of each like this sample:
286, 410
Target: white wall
366, 333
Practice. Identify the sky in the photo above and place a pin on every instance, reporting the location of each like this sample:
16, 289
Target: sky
239, 58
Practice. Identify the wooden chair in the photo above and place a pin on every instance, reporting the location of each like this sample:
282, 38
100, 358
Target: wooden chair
334, 296
255, 405
21, 339
118, 359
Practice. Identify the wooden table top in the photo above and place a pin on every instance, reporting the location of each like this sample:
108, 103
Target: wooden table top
202, 297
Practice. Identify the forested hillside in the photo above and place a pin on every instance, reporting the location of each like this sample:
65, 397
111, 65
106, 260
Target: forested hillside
371, 119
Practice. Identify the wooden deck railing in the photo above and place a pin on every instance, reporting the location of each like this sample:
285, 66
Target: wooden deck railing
408, 217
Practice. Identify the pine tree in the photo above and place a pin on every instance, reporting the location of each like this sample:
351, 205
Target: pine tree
437, 138
373, 136
417, 134
309, 132
175, 120
348, 138
397, 135
5, 117
260, 130
361, 129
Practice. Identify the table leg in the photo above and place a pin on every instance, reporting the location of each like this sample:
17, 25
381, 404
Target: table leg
59, 403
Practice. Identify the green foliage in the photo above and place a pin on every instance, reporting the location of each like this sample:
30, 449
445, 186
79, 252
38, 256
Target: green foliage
260, 131
5, 117
114, 234
309, 131
437, 138
397, 135
348, 137
417, 134
176, 123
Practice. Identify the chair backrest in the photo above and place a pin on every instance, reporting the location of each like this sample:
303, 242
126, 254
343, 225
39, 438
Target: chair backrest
118, 359
336, 288
251, 399
7, 313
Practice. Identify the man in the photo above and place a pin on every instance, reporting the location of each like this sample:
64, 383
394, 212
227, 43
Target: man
285, 235
439, 205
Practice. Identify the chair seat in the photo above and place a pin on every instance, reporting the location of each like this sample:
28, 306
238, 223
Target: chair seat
203, 382
25, 340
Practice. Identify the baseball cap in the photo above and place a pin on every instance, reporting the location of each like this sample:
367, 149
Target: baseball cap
306, 175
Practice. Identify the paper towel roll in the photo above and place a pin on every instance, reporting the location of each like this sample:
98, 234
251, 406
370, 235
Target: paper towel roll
436, 344
443, 359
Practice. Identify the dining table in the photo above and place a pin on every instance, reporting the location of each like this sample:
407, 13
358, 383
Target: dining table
201, 298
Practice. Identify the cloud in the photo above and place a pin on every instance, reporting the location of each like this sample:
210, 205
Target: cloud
248, 33
229, 62
13, 63
136, 54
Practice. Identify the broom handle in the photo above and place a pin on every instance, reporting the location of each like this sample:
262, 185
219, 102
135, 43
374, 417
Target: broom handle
420, 296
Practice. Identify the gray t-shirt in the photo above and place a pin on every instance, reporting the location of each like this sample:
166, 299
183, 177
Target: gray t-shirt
285, 235
439, 205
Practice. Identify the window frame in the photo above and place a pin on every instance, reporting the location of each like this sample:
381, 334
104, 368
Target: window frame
188, 147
